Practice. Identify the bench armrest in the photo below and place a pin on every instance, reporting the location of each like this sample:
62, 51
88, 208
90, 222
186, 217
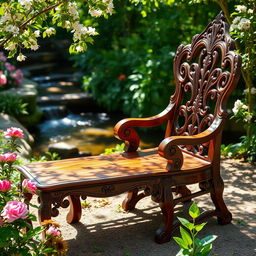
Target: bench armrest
169, 147
123, 130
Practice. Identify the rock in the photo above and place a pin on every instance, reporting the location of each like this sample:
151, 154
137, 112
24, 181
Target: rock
64, 150
6, 122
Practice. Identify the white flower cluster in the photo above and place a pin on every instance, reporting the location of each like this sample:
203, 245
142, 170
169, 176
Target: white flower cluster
253, 90
241, 8
240, 23
239, 105
97, 12
12, 29
26, 3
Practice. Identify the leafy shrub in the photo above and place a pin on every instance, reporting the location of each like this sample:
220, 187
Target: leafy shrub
17, 236
129, 68
190, 245
12, 105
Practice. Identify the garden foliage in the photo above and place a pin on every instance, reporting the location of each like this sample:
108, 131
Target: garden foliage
129, 67
17, 236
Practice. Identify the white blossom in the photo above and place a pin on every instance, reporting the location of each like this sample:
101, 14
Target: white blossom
34, 46
6, 17
91, 31
50, 31
26, 3
253, 90
110, 7
13, 29
250, 11
241, 8
244, 24
10, 47
95, 13
79, 48
72, 9
236, 20
248, 118
238, 105
37, 33
21, 57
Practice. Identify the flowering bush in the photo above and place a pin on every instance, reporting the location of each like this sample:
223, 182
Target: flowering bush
10, 76
17, 236
22, 22
246, 148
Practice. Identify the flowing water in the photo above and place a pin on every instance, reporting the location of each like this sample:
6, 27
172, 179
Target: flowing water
90, 132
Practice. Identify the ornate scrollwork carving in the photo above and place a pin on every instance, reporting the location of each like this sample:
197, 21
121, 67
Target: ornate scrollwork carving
204, 72
108, 189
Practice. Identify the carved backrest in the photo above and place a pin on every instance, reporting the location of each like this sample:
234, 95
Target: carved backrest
206, 71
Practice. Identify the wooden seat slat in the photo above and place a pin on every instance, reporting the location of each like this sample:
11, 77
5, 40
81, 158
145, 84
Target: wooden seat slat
104, 168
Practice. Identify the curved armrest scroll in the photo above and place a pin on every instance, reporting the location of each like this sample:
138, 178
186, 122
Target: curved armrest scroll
169, 147
123, 130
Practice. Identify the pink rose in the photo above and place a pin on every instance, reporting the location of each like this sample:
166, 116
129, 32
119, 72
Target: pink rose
28, 186
52, 231
3, 79
14, 132
14, 210
8, 158
5, 185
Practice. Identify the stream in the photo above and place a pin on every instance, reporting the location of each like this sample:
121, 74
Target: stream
91, 132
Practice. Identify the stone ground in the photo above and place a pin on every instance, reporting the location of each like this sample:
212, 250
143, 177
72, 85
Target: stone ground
106, 230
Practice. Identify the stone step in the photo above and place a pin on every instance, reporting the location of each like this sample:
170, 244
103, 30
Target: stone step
74, 101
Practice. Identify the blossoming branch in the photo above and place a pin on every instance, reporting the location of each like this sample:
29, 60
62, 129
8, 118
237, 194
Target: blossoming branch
22, 23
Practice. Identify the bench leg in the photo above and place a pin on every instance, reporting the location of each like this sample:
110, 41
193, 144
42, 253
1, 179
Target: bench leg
45, 209
223, 214
183, 191
164, 233
132, 199
75, 210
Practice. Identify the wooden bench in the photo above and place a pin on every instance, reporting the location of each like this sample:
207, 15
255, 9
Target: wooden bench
206, 71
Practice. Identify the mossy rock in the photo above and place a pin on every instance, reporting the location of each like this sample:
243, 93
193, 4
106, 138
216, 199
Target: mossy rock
31, 119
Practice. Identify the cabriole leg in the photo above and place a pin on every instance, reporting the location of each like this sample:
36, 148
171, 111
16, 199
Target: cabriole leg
132, 199
164, 233
223, 214
75, 210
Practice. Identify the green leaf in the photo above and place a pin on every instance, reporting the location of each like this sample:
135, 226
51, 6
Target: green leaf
185, 236
180, 242
208, 239
186, 223
206, 250
183, 252
199, 227
194, 211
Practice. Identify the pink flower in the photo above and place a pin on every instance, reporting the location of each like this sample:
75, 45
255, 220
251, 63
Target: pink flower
3, 80
5, 185
14, 132
52, 231
8, 158
9, 66
28, 186
14, 210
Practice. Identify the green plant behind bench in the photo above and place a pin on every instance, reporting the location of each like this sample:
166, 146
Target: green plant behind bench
190, 245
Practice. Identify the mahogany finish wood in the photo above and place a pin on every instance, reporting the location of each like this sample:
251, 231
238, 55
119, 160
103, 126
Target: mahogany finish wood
206, 71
